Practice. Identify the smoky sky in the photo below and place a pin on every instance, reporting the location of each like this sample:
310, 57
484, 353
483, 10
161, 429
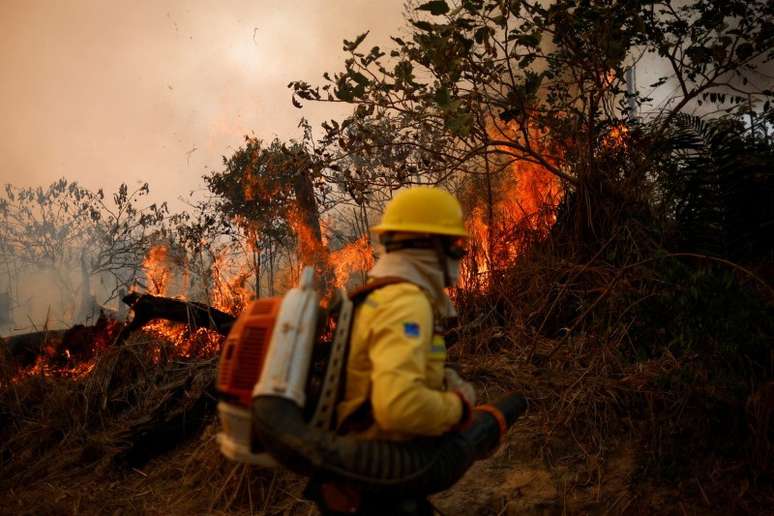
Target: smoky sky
105, 92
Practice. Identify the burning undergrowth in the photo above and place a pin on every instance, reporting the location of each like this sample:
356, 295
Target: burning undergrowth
649, 375
64, 353
138, 401
100, 415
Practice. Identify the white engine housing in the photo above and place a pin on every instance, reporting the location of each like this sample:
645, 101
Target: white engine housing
286, 367
234, 440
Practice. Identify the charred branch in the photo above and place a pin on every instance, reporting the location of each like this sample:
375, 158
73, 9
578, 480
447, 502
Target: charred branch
78, 343
24, 349
147, 308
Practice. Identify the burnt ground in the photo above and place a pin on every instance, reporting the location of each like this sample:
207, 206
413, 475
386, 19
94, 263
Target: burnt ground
137, 438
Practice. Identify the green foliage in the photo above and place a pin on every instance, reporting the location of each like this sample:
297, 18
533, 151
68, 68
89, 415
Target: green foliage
436, 7
710, 310
716, 187
538, 83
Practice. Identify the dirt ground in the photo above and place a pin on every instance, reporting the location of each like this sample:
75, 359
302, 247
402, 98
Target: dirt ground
195, 479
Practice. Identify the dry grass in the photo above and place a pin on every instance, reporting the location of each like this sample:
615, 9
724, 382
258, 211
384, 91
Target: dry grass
695, 420
134, 436
616, 421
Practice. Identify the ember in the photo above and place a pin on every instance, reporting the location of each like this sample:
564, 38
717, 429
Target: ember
72, 353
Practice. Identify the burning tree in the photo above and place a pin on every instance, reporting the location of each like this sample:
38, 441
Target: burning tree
268, 193
484, 89
274, 199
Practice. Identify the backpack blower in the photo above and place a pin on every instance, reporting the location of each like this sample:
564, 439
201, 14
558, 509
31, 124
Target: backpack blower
276, 409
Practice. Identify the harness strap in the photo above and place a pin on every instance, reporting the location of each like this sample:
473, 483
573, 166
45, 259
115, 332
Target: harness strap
359, 294
326, 405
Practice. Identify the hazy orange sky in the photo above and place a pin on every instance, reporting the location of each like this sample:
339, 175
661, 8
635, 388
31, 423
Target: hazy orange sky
104, 92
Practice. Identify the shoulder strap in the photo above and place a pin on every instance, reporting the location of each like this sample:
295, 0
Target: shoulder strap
359, 294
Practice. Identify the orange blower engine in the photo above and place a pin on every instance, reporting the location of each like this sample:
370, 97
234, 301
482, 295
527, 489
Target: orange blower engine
268, 353
241, 361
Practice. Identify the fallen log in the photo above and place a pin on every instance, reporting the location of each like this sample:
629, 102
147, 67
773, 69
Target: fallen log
24, 349
79, 340
147, 308
77, 343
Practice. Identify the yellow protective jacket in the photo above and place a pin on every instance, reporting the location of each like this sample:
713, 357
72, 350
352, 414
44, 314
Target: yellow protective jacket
394, 382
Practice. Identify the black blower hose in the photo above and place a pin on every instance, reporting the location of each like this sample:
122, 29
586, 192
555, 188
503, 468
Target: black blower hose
419, 467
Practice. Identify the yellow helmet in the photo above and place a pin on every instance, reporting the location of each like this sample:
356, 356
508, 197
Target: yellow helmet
423, 209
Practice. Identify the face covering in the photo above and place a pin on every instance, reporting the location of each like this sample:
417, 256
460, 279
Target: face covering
421, 267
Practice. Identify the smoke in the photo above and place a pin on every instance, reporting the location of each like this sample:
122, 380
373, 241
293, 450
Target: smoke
104, 93
38, 298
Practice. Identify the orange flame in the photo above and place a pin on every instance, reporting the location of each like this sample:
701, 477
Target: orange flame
523, 197
352, 258
229, 292
62, 362
617, 136
186, 342
311, 250
355, 257
157, 269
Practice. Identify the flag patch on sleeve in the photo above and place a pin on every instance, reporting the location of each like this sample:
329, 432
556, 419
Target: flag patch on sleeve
411, 329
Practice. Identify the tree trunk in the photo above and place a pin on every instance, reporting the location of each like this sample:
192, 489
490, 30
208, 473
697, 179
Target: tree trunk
257, 268
88, 306
311, 250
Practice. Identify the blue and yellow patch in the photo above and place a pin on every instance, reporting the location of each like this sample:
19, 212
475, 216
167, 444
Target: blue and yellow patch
411, 329
438, 348
438, 344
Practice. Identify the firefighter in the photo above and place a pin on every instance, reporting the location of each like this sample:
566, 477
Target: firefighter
396, 385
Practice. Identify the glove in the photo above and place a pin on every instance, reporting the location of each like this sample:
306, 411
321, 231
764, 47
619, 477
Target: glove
456, 384
466, 393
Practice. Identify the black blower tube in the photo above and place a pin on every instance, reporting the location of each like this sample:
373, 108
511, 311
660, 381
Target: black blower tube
420, 467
